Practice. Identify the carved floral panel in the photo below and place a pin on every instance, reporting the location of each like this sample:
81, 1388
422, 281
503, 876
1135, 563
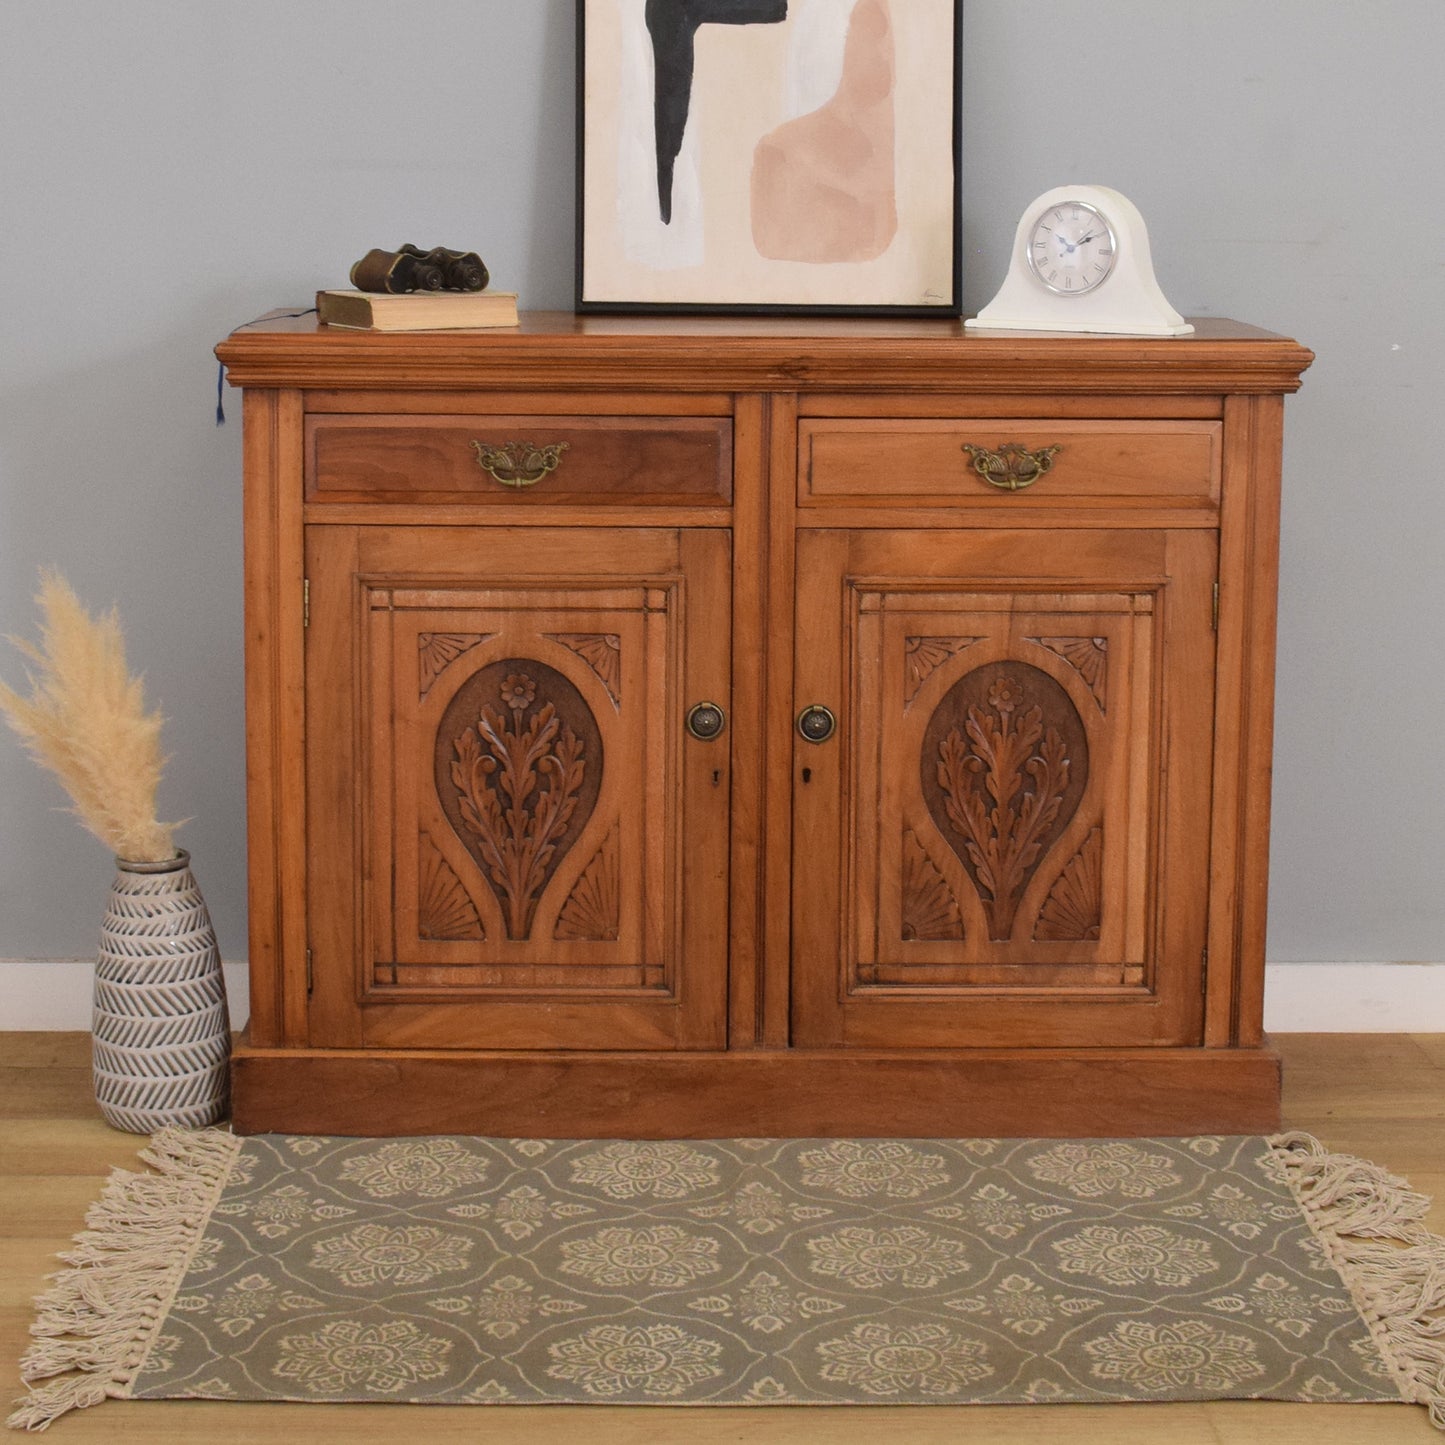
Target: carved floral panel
1005, 762
504, 807
518, 765
1000, 777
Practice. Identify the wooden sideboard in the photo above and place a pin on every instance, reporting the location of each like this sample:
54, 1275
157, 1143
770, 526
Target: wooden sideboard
713, 727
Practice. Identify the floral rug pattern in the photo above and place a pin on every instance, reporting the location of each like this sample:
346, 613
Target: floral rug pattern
758, 1272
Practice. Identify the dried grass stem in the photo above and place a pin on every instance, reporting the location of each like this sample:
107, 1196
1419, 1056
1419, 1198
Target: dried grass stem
85, 720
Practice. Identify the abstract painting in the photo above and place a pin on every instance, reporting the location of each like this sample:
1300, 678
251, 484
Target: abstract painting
768, 156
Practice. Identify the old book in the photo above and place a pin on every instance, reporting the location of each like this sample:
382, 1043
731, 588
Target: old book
417, 310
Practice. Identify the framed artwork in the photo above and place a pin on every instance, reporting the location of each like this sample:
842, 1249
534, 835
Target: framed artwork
762, 156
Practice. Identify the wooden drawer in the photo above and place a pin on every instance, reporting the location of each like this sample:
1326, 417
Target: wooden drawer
1104, 463
498, 459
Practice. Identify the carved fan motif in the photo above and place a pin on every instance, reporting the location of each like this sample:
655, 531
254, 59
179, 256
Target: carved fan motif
1005, 762
923, 656
518, 781
444, 912
930, 911
1089, 656
602, 652
435, 650
1074, 910
593, 910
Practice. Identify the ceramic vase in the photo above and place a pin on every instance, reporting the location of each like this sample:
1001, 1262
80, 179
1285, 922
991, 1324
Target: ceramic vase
161, 1042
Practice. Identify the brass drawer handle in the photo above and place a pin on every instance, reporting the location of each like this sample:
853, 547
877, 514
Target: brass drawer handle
1012, 467
519, 464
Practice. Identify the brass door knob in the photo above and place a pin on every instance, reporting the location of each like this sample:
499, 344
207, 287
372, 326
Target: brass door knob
816, 723
706, 720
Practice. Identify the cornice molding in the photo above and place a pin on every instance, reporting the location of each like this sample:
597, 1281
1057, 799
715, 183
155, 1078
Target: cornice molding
561, 352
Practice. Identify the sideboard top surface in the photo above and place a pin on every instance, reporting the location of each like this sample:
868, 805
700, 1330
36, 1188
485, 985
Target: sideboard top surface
561, 351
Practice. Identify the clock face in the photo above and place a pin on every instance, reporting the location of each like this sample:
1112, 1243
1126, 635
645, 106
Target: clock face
1071, 248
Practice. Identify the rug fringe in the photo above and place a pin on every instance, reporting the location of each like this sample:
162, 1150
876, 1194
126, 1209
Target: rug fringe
1369, 1222
97, 1318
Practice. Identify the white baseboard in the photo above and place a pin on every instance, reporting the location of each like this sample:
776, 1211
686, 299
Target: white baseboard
1354, 998
1331, 998
53, 994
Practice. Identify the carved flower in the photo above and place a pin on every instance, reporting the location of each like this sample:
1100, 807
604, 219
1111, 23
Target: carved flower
518, 692
382, 1359
656, 1360
1142, 1254
896, 1360
1005, 695
1189, 1355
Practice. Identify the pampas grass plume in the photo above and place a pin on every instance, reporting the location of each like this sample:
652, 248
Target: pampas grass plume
85, 720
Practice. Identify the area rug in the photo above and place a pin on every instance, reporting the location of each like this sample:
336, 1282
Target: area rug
744, 1272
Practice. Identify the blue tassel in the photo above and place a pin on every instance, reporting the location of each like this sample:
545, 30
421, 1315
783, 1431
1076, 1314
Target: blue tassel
221, 369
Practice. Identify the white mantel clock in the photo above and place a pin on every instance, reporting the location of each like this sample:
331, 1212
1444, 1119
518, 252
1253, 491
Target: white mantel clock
1081, 263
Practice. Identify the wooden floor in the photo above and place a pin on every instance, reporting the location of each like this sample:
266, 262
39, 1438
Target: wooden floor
1377, 1095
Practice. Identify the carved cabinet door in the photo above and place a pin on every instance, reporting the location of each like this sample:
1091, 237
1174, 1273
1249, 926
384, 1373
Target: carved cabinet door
513, 839
1004, 843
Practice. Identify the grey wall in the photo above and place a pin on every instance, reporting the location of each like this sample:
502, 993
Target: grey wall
171, 168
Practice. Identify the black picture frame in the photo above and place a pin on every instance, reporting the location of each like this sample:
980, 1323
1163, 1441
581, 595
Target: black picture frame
633, 79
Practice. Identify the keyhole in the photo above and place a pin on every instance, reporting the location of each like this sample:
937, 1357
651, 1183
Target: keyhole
716, 776
807, 775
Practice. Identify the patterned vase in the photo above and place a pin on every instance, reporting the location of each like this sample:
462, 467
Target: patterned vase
161, 1042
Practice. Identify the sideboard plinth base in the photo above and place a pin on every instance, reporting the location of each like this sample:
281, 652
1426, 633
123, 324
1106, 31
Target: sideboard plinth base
1104, 1093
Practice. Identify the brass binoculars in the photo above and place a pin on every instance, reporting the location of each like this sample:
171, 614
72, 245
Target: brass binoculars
409, 268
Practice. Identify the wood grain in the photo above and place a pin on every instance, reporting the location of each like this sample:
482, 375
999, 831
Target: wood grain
560, 351
930, 755
275, 691
785, 1093
766, 514
542, 756
606, 460
1096, 463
